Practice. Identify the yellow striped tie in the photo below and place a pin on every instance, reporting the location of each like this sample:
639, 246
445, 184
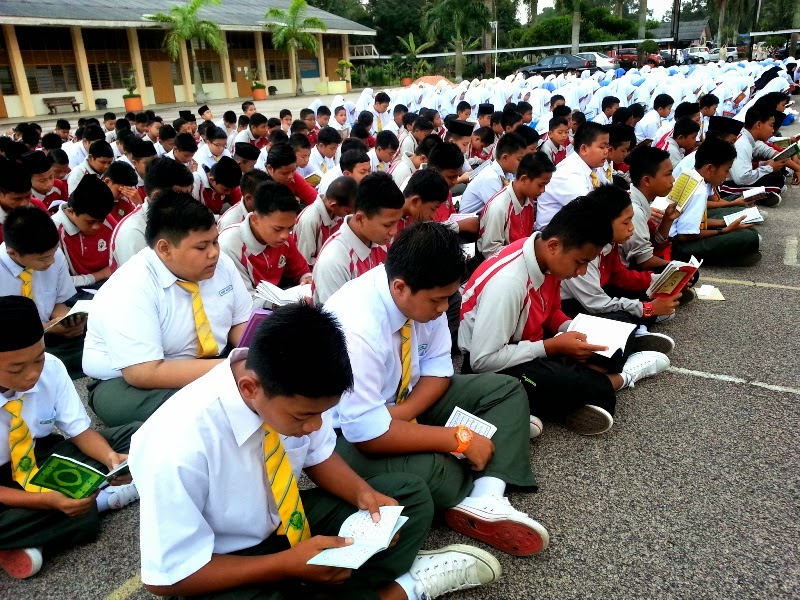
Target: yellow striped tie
324, 167
595, 180
505, 181
609, 173
380, 125
294, 524
380, 166
20, 441
27, 283
206, 344
405, 361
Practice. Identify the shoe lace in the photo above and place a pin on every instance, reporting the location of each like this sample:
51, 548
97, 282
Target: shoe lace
451, 575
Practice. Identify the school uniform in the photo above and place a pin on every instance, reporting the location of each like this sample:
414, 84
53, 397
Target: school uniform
687, 163
233, 216
408, 145
78, 173
676, 153
216, 202
328, 178
343, 257
140, 180
245, 135
402, 169
204, 452
640, 247
204, 158
372, 324
504, 220
51, 403
573, 178
375, 164
313, 228
543, 126
509, 307
256, 262
3, 214
317, 162
382, 121
57, 192
128, 236
744, 175
486, 184
77, 153
601, 118
646, 128
158, 324
312, 135
160, 151
85, 254
171, 154
555, 153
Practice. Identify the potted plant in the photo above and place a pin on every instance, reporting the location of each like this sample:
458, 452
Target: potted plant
132, 100
258, 89
343, 71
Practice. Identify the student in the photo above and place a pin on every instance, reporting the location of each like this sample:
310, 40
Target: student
608, 107
509, 214
408, 164
360, 243
140, 124
184, 302
509, 151
122, 180
622, 116
60, 163
480, 145
556, 101
323, 153
44, 186
353, 163
448, 160
166, 140
496, 126
50, 142
485, 111
423, 194
286, 118
555, 146
530, 137
621, 138
380, 113
649, 249
262, 246
398, 112
323, 116
422, 128
84, 232
228, 122
281, 166
249, 108
79, 152
404, 391
577, 118
218, 188
300, 126
205, 113
723, 128
317, 222
460, 134
340, 121
238, 212
577, 174
386, 146
15, 191
246, 156
154, 124
708, 108
256, 132
63, 130
646, 128
302, 152
141, 153
683, 140
32, 265
511, 315
694, 233
97, 161
184, 150
214, 148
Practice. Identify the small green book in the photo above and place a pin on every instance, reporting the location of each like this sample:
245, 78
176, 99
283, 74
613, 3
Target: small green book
74, 478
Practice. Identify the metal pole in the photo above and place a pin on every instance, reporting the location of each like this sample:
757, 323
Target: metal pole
496, 33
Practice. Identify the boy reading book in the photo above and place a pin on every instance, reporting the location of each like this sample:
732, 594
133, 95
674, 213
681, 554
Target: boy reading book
248, 185
682, 141
408, 164
318, 222
495, 176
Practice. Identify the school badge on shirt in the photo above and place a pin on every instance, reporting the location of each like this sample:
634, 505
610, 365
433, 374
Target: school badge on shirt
101, 245
282, 261
422, 349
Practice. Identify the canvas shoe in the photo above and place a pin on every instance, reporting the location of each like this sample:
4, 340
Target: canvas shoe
120, 496
492, 520
21, 563
589, 420
687, 295
770, 200
452, 568
536, 427
644, 364
657, 342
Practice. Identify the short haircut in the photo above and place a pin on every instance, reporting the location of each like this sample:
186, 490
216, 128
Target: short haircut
463, 106
510, 118
203, 128
426, 256
684, 127
359, 131
30, 136
686, 109
272, 122
524, 107
298, 126
645, 161
608, 102
30, 230
637, 110
376, 192
58, 157
429, 113
229, 116
51, 141
557, 122
497, 117
167, 132
343, 190
215, 133
708, 101
243, 121
485, 135
715, 152
285, 112
120, 124
272, 196
428, 185
122, 173
528, 134
306, 112
387, 139
226, 172
154, 119
399, 109
365, 118
446, 156
535, 164
339, 109
101, 149
423, 124
62, 124
97, 204
382, 98
352, 143
251, 180
178, 123
279, 352
619, 134
141, 117
93, 133
351, 158
562, 111
611, 200
578, 117
758, 113
174, 217
109, 116
162, 173
577, 224
257, 119
247, 104
509, 144
428, 143
556, 98
281, 155
621, 115
185, 142
663, 101
588, 134
323, 111
277, 136
328, 135
298, 141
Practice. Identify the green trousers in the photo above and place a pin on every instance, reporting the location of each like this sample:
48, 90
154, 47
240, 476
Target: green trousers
27, 528
69, 351
326, 513
498, 399
718, 249
116, 402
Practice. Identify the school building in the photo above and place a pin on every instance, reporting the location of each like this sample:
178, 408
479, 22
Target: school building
84, 48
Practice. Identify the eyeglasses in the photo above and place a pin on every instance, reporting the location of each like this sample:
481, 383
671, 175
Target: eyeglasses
218, 144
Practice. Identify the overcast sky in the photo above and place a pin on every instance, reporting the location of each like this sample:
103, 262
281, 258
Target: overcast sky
659, 8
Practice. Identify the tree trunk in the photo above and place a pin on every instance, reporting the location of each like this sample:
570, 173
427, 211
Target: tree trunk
198, 82
459, 59
489, 38
576, 27
298, 77
723, 5
533, 11
617, 8
795, 36
642, 18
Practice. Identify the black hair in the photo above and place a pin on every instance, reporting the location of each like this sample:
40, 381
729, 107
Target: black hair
93, 133
399, 109
285, 112
685, 127
423, 124
608, 102
298, 126
251, 180
279, 351
556, 122
298, 141
178, 123
555, 98
497, 117
428, 143
619, 134
387, 139
485, 135
579, 223
97, 205
351, 158
30, 230
637, 110
122, 173
523, 107
708, 101
430, 114
306, 112
645, 161
611, 201
215, 133
715, 152
167, 132
376, 192
162, 173
30, 137
281, 155
328, 135
174, 217
621, 116
382, 98
426, 256
510, 118
185, 142
141, 117
154, 119
109, 116
445, 156
663, 101
428, 185
360, 132
686, 109
202, 129
528, 134
121, 124
578, 117
323, 111
365, 118
128, 139
247, 104
257, 119
58, 157
130, 116
463, 106
758, 114
277, 136
51, 141
90, 121
509, 144
588, 134
535, 164
343, 190
339, 109
101, 149
229, 116
352, 143
272, 122
562, 111
772, 99
62, 124
243, 121
228, 175
272, 196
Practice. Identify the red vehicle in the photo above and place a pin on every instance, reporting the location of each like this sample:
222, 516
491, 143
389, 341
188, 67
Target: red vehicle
629, 57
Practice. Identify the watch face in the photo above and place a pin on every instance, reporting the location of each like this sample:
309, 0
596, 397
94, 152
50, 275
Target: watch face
464, 435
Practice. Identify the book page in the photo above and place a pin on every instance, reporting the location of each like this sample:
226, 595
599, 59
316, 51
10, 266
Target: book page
790, 151
683, 189
461, 417
603, 332
751, 215
660, 203
81, 307
279, 297
756, 191
456, 217
670, 283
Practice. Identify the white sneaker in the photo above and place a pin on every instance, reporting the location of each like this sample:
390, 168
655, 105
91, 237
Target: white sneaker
656, 342
644, 364
492, 520
536, 427
589, 420
22, 562
453, 568
120, 496
664, 318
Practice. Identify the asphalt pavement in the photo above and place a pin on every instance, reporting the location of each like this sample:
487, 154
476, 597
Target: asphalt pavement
693, 494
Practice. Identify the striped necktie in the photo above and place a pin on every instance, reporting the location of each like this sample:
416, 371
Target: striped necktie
20, 441
595, 180
380, 166
294, 524
505, 181
609, 172
26, 275
324, 167
206, 344
380, 124
405, 362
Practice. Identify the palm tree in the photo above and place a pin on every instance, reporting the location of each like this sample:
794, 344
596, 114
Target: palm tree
642, 18
465, 16
185, 26
723, 6
575, 6
533, 11
412, 50
290, 30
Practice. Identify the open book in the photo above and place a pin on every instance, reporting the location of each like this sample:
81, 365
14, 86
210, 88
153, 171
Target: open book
81, 308
673, 278
278, 297
791, 150
369, 538
461, 417
313, 179
660, 203
73, 478
751, 215
684, 187
256, 318
603, 332
756, 191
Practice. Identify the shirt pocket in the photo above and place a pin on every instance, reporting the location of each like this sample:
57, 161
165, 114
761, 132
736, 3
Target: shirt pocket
296, 452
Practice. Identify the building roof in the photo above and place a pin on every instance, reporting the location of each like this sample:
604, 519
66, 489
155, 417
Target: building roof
231, 15
687, 30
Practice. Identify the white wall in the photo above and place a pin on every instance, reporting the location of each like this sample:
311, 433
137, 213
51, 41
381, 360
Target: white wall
285, 85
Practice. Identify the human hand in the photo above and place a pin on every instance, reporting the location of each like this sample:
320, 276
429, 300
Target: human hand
571, 343
131, 194
656, 214
69, 506
299, 555
776, 165
665, 306
371, 500
470, 225
113, 460
480, 451
736, 225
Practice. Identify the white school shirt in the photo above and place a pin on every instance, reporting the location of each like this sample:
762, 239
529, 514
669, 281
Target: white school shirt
308, 229
676, 153
128, 236
495, 220
199, 469
77, 154
747, 151
50, 287
51, 402
375, 164
602, 118
125, 159
571, 179
233, 216
317, 162
78, 173
261, 161
371, 322
408, 145
646, 128
328, 178
638, 248
159, 149
158, 322
688, 222
485, 185
386, 119
686, 164
245, 136
402, 169
204, 158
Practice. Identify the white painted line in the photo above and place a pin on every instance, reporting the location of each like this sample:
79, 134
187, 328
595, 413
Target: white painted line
730, 379
760, 284
127, 589
790, 251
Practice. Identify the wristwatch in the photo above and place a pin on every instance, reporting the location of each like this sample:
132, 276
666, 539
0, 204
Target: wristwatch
464, 437
647, 309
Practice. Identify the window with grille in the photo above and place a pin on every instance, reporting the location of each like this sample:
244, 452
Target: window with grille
7, 81
210, 71
278, 68
49, 79
108, 76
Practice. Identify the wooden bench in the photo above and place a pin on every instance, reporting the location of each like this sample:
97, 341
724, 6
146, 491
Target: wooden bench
53, 103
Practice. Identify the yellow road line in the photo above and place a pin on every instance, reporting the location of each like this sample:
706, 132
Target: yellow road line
750, 283
127, 589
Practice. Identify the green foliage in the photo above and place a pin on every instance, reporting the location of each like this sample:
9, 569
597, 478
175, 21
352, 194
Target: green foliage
349, 9
465, 17
507, 67
377, 76
597, 25
185, 25
648, 47
391, 23
343, 69
129, 83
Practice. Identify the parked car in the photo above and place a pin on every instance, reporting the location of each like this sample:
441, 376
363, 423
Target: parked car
629, 57
558, 63
697, 54
733, 54
668, 60
604, 62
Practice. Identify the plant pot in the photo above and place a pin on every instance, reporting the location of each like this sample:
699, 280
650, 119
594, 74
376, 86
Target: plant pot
133, 104
259, 93
349, 86
407, 81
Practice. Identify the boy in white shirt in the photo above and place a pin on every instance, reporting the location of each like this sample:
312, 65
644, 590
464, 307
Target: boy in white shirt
320, 220
495, 176
646, 128
323, 154
386, 146
408, 164
608, 107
